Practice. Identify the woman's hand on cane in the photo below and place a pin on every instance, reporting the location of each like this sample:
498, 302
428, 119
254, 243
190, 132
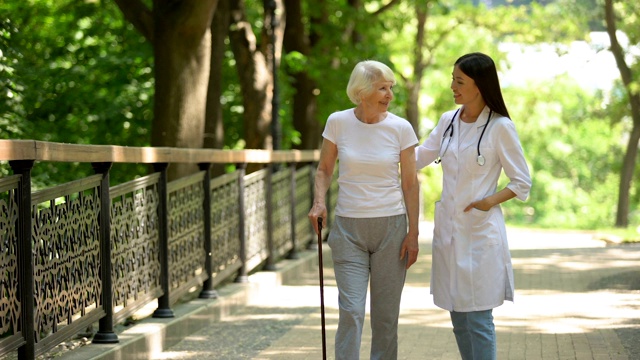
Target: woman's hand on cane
319, 210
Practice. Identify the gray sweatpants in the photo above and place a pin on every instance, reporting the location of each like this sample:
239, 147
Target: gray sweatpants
362, 248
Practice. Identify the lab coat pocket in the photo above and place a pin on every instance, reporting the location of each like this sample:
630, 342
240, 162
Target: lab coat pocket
483, 227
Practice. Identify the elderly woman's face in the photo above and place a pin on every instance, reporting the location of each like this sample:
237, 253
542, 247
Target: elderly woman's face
380, 96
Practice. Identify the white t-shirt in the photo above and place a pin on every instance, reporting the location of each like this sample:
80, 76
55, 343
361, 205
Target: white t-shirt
368, 163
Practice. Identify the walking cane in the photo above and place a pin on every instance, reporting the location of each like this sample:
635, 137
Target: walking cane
324, 341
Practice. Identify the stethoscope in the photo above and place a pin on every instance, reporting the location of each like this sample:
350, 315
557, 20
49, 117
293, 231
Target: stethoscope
480, 159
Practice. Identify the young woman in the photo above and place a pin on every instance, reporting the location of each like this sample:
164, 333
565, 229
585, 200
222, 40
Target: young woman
472, 271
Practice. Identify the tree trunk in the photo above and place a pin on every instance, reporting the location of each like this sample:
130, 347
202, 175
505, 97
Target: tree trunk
626, 177
412, 108
628, 165
305, 106
254, 63
256, 81
181, 38
304, 98
350, 32
214, 125
414, 85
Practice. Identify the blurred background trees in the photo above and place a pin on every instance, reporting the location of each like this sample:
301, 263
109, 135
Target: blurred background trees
202, 74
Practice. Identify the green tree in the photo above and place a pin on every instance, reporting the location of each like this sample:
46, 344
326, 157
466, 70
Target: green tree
255, 65
299, 42
76, 74
323, 41
79, 72
11, 95
73, 72
214, 128
180, 34
630, 76
573, 178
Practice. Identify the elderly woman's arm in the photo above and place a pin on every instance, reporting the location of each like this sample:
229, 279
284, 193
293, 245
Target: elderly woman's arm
410, 190
324, 174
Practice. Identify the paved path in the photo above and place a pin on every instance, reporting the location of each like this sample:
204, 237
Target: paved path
572, 302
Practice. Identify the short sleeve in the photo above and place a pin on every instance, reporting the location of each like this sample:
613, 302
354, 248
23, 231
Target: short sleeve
330, 129
408, 137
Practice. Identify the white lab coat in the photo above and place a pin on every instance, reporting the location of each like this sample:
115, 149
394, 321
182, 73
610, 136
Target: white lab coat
472, 268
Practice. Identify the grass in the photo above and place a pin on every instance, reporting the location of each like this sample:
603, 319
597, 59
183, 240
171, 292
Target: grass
622, 235
629, 235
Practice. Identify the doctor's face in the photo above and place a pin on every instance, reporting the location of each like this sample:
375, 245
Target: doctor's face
464, 88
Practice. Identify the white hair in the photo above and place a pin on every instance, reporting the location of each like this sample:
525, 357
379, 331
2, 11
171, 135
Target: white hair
364, 75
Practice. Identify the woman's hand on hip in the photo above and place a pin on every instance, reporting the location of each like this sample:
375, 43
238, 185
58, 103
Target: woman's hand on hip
482, 205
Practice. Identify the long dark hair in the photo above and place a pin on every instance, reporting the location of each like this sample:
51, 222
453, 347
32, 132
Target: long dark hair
482, 70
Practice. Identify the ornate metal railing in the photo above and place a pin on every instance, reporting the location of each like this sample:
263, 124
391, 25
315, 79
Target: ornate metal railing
84, 252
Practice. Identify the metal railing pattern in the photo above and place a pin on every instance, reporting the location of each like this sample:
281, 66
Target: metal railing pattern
280, 200
225, 227
302, 187
84, 252
186, 235
134, 245
65, 242
10, 277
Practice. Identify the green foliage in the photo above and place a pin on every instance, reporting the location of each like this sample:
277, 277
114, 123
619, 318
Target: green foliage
573, 138
431, 186
11, 108
574, 155
88, 76
77, 72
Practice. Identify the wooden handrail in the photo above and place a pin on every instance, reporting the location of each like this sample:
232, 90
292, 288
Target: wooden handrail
61, 152
150, 210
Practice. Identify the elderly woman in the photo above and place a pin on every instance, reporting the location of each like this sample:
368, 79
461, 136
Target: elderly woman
374, 239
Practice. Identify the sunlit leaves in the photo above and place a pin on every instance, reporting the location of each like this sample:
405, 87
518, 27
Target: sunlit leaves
76, 71
85, 76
